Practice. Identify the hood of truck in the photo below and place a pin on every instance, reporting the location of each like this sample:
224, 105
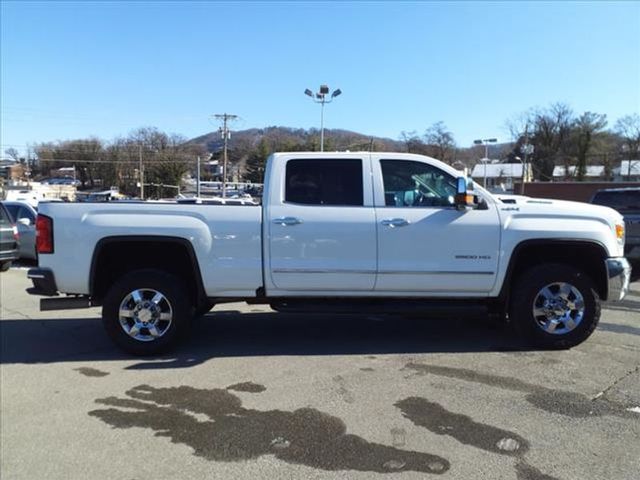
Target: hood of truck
531, 218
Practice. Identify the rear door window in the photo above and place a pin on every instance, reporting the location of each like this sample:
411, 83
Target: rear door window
324, 182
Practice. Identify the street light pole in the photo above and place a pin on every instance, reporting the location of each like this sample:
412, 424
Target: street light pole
321, 98
485, 172
322, 126
486, 143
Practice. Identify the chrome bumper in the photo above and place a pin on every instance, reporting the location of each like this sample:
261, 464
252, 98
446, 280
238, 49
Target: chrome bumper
618, 277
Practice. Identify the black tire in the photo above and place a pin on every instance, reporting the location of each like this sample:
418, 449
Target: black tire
174, 304
528, 293
4, 266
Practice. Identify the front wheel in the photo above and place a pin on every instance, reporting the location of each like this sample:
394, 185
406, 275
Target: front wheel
146, 312
4, 266
554, 306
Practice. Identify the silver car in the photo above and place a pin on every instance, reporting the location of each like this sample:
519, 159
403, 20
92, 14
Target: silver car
24, 216
8, 240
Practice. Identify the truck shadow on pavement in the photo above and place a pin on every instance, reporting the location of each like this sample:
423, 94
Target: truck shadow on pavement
234, 334
626, 305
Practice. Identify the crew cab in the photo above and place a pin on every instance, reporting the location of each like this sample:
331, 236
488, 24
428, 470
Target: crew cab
354, 231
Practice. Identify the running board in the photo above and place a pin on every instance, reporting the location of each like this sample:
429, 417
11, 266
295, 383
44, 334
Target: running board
69, 303
402, 307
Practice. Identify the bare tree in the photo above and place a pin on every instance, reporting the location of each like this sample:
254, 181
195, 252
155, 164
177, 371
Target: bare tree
552, 128
413, 142
440, 142
520, 125
585, 129
83, 154
166, 158
13, 154
628, 127
549, 131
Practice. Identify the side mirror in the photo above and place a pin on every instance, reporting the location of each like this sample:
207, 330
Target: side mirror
25, 221
464, 200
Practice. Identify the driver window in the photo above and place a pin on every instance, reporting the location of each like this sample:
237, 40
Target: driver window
416, 184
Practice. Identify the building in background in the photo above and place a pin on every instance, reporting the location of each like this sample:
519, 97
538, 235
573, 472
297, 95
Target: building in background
594, 173
10, 170
500, 177
629, 171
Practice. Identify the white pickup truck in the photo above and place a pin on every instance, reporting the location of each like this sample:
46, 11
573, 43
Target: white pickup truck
337, 232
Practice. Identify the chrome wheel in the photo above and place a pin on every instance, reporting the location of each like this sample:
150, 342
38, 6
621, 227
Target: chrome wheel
145, 314
558, 308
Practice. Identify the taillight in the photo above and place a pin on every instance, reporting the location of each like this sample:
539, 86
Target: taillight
44, 234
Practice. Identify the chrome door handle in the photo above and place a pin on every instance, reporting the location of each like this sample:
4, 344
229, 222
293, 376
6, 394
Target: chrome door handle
287, 221
395, 222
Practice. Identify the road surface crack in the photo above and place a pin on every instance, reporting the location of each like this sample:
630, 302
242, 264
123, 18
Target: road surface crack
15, 312
604, 392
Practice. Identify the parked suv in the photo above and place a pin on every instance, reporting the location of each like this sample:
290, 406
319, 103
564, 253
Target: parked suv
627, 202
9, 244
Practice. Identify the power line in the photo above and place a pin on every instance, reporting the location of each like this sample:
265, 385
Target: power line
133, 161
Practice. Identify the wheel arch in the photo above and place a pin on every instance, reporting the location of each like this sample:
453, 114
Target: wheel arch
117, 255
586, 255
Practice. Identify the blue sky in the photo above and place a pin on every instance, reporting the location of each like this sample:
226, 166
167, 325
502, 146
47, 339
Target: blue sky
75, 69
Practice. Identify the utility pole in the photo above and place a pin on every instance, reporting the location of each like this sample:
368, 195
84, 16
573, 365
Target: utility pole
524, 163
198, 180
226, 134
141, 170
527, 149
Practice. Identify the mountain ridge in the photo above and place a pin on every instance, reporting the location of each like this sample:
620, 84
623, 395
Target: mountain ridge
296, 138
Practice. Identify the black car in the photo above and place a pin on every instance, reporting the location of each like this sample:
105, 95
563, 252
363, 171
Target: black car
627, 202
9, 245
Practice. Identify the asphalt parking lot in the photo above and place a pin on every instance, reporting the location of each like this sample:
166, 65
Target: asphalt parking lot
255, 394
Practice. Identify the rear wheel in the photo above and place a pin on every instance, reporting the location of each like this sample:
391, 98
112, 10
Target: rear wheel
554, 306
146, 312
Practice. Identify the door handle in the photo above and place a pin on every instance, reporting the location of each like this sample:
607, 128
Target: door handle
395, 222
287, 221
